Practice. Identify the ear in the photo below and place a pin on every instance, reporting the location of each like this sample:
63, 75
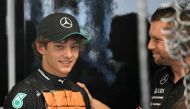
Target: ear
40, 48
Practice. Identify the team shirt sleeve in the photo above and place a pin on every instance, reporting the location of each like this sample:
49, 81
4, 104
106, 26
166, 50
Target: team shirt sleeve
22, 96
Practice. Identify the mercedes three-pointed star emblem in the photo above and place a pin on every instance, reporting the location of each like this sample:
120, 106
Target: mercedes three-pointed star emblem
66, 22
164, 79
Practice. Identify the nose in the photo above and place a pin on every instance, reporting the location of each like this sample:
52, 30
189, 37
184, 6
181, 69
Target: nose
67, 52
151, 44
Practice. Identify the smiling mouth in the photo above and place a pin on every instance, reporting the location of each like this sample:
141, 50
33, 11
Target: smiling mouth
154, 54
65, 62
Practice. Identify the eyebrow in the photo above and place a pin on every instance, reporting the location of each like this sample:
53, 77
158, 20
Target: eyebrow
64, 41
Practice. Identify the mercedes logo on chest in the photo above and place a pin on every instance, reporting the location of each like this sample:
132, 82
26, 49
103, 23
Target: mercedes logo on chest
164, 79
66, 22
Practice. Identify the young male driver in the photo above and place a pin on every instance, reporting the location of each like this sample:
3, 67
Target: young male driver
57, 46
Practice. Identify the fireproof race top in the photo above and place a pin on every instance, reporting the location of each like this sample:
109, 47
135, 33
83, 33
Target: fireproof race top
42, 90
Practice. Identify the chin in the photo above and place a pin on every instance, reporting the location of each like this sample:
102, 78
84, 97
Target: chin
65, 71
158, 62
161, 63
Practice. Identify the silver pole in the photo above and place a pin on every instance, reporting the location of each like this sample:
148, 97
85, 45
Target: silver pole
10, 24
143, 66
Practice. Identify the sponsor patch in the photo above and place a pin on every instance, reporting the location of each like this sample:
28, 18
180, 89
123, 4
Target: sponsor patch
159, 90
18, 100
164, 79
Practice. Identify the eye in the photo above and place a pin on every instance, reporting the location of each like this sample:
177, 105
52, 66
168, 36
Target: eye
59, 46
157, 40
75, 46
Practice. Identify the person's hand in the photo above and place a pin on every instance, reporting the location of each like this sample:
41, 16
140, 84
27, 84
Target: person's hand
138, 108
95, 104
84, 87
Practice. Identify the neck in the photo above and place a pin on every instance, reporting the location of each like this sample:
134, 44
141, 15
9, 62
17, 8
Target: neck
53, 72
179, 71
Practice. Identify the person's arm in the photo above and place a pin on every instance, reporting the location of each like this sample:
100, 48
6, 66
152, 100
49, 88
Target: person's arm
95, 104
21, 96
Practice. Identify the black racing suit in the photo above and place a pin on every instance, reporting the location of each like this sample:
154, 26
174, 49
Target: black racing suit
27, 93
164, 92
